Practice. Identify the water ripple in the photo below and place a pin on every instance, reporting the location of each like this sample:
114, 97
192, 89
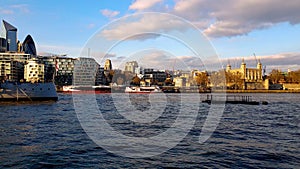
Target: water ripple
48, 135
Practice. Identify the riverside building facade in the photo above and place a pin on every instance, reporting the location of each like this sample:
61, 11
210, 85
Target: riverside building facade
85, 71
13, 54
12, 66
34, 71
252, 77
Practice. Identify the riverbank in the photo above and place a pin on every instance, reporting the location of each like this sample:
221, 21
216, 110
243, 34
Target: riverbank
261, 91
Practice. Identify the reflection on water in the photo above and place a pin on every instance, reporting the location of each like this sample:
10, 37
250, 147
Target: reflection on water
49, 135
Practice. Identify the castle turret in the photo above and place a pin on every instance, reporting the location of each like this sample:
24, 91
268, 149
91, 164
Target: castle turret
228, 67
243, 68
259, 65
244, 72
259, 69
107, 65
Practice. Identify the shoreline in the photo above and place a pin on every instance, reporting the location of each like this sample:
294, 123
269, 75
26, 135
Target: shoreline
202, 92
259, 91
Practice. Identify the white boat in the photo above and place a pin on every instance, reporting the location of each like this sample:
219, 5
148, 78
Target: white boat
86, 89
70, 89
14, 91
142, 89
102, 88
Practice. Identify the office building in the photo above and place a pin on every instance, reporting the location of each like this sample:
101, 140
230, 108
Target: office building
85, 70
28, 46
8, 37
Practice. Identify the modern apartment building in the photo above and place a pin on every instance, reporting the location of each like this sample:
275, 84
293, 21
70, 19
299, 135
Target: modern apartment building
12, 66
34, 71
58, 68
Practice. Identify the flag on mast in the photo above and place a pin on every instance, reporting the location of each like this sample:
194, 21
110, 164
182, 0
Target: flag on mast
56, 66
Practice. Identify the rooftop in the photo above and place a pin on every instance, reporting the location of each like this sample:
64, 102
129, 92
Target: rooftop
8, 26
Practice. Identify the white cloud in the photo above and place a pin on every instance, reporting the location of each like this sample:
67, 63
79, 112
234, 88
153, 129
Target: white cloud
143, 4
232, 18
232, 28
224, 18
147, 26
286, 59
91, 25
13, 9
281, 61
23, 8
109, 13
6, 11
45, 49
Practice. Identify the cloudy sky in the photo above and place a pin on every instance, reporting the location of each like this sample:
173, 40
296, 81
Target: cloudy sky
235, 28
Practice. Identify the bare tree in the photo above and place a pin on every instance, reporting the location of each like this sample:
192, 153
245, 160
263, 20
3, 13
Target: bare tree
293, 77
201, 79
275, 76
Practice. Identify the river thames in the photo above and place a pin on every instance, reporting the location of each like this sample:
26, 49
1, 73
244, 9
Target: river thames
49, 135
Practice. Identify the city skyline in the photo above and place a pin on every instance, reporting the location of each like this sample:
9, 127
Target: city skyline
236, 30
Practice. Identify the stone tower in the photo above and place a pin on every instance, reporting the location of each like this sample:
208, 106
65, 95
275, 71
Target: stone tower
259, 69
107, 65
243, 69
228, 67
244, 73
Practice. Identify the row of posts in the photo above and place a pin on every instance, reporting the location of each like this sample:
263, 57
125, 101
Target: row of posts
244, 98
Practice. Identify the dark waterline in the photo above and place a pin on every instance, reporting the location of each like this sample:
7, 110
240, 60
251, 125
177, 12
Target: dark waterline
49, 135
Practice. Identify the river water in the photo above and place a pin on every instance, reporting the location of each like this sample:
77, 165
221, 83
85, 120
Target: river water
49, 135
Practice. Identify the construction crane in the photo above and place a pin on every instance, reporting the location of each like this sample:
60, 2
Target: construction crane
255, 58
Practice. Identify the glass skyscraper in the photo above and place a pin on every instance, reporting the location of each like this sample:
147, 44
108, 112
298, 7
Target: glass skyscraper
29, 46
8, 35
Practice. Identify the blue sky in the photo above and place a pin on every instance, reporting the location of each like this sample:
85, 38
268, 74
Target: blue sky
236, 29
